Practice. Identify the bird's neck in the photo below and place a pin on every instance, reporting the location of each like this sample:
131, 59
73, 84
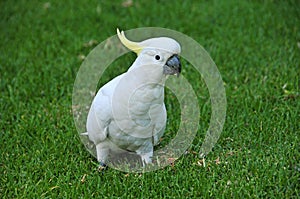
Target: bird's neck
147, 74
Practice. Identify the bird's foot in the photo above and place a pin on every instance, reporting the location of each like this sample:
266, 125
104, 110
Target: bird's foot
102, 166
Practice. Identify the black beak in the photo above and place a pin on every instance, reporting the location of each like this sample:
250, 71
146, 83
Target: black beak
172, 66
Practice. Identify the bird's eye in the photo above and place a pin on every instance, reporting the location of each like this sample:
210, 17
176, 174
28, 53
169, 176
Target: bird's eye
157, 57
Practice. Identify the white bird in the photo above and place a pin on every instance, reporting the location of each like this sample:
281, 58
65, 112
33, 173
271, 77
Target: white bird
128, 113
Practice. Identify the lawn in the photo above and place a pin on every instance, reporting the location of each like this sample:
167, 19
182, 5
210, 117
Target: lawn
256, 46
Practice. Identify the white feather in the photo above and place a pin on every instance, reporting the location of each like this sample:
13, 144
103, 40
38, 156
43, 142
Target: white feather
128, 113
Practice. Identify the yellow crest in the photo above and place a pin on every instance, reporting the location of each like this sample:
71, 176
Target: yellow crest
133, 46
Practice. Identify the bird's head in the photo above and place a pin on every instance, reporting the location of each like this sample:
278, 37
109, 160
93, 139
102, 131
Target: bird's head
161, 51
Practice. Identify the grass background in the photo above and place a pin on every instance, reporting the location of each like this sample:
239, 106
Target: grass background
255, 45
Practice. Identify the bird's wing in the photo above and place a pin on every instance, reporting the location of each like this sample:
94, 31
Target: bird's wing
100, 113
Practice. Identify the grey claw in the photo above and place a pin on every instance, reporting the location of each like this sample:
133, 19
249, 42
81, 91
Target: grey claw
102, 166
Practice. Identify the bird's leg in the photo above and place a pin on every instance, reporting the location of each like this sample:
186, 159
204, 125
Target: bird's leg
146, 158
102, 154
146, 152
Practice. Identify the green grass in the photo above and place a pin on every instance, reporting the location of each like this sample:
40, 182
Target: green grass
255, 45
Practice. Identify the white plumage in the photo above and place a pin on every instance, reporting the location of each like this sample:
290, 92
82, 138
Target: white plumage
128, 113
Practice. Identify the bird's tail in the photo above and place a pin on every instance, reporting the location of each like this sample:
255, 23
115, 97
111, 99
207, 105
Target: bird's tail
89, 145
84, 134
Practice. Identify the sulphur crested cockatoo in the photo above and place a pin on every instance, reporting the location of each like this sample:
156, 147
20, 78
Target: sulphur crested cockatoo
128, 113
